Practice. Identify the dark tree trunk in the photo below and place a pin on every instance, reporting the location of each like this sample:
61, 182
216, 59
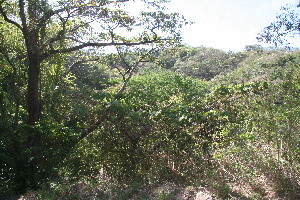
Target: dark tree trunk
31, 36
33, 100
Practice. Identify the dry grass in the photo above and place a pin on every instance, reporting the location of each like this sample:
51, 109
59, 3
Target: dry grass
257, 172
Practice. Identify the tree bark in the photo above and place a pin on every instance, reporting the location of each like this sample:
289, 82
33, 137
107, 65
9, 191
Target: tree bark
33, 91
33, 100
31, 34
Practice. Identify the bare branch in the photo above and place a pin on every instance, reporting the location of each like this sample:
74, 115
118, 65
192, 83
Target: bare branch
92, 44
62, 32
130, 72
124, 61
126, 80
50, 13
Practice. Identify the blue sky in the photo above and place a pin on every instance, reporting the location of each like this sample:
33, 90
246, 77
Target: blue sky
226, 24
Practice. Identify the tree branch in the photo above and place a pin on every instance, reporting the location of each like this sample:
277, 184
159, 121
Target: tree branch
51, 12
121, 90
23, 17
6, 56
7, 19
130, 71
92, 44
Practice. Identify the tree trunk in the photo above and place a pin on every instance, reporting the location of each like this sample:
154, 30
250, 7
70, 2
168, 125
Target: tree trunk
31, 35
33, 100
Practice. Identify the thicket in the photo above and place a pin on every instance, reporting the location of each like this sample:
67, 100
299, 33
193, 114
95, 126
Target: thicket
204, 117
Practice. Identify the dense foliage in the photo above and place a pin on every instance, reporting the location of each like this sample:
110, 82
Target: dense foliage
166, 126
115, 126
146, 133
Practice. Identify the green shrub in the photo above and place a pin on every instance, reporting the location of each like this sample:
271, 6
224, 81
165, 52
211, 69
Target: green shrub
145, 135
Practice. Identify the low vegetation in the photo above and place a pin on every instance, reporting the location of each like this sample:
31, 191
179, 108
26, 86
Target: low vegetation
233, 135
153, 120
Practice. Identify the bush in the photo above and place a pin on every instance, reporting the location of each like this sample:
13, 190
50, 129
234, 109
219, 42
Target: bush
145, 135
31, 155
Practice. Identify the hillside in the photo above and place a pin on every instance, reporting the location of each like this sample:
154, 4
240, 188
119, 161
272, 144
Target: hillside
204, 124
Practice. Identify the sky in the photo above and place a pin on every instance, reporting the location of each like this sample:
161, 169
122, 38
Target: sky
229, 25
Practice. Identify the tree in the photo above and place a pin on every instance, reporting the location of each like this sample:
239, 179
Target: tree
254, 48
206, 63
61, 27
287, 25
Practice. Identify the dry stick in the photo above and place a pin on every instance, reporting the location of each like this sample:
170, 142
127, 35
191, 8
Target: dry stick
126, 80
130, 71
